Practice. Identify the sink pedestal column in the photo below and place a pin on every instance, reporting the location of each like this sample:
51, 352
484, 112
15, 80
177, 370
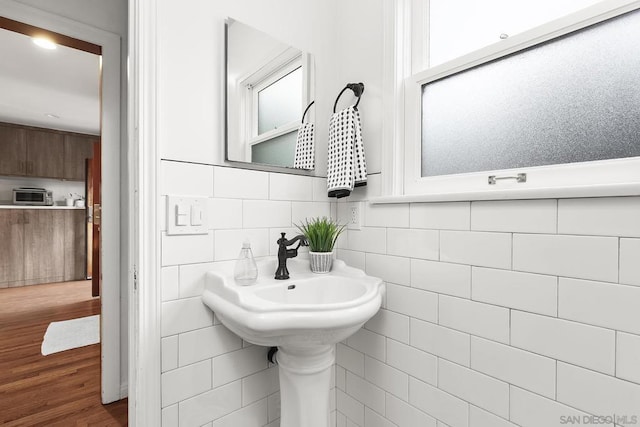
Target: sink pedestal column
305, 376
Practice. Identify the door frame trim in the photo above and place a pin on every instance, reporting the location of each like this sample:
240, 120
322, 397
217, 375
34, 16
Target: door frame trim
111, 387
145, 406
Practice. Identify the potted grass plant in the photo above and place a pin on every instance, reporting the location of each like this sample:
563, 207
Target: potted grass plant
321, 234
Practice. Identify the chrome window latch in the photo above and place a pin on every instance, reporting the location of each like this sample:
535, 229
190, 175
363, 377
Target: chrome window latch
521, 177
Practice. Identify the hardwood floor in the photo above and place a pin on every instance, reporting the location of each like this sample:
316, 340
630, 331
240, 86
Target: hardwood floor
61, 389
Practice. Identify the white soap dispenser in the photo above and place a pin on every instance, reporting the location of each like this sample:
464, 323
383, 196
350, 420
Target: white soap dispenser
246, 270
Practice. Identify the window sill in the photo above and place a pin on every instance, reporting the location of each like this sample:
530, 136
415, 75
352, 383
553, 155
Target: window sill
584, 191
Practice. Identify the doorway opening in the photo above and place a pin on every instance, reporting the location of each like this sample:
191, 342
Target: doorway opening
51, 271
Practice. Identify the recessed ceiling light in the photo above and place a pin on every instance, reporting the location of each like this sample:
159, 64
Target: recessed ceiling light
52, 116
44, 43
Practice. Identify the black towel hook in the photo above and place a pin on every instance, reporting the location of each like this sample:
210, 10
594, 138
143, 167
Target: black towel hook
357, 88
306, 110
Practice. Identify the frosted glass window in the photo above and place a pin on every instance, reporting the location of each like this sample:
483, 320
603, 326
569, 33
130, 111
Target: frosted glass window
280, 102
572, 99
278, 151
457, 27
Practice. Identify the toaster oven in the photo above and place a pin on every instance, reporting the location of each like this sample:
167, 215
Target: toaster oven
32, 196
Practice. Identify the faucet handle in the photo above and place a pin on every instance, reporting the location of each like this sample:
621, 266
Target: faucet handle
282, 240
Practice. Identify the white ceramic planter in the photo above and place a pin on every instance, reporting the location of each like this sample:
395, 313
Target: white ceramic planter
321, 262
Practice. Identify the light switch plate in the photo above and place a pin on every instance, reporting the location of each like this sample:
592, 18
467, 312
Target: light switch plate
187, 215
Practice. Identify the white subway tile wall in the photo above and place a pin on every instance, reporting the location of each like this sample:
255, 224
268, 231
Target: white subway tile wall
532, 410
302, 211
475, 318
629, 265
210, 377
440, 216
290, 187
438, 403
413, 243
559, 339
470, 385
259, 385
234, 183
523, 291
392, 269
592, 391
606, 216
387, 215
582, 257
413, 302
497, 313
602, 304
227, 242
369, 239
522, 368
476, 248
170, 283
387, 378
523, 216
417, 363
255, 414
182, 383
440, 341
520, 313
481, 418
405, 415
628, 357
441, 277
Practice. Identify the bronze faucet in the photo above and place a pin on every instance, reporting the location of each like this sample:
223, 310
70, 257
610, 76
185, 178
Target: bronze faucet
283, 253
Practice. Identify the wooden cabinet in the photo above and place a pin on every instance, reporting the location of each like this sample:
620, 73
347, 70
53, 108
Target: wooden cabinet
42, 246
75, 262
46, 153
13, 151
77, 149
12, 247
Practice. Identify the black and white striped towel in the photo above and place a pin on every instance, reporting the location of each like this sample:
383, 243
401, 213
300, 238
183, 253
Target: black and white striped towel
305, 151
346, 166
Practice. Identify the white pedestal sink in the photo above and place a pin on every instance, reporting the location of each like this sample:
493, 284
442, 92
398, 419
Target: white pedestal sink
304, 317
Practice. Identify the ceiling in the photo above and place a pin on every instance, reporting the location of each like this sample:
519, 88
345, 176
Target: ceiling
36, 82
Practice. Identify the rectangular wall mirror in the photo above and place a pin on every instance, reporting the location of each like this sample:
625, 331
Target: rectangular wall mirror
269, 85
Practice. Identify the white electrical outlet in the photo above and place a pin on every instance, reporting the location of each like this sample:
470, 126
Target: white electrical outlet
355, 216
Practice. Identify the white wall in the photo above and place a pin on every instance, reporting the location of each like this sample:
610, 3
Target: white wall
357, 57
210, 377
191, 67
496, 314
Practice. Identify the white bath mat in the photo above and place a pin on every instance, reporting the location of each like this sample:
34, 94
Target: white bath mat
68, 334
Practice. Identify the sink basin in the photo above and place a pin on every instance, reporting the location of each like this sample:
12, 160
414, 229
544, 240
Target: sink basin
304, 317
308, 309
